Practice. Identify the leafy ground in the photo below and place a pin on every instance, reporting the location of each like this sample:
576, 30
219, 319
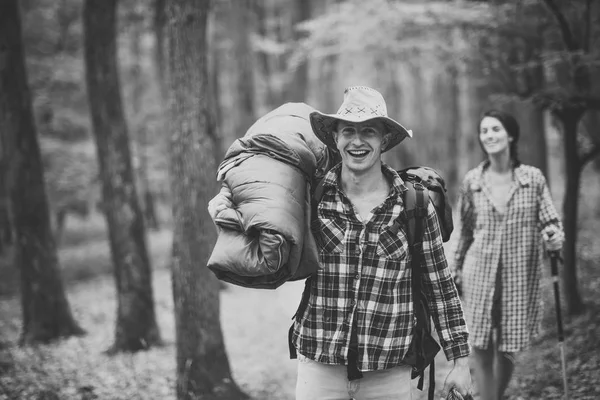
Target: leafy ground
255, 324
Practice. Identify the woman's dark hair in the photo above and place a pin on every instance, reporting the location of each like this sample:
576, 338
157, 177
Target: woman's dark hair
511, 126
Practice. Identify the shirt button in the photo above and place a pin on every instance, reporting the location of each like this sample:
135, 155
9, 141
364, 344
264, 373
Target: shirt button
357, 251
357, 276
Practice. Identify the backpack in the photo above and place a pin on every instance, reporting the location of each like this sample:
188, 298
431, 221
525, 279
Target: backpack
424, 185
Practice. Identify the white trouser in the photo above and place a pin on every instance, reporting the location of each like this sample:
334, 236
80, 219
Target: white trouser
317, 381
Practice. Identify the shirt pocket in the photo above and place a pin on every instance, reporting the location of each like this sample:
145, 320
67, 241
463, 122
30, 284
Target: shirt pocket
392, 245
330, 236
524, 214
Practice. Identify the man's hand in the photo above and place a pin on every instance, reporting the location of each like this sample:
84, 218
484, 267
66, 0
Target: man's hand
220, 202
460, 378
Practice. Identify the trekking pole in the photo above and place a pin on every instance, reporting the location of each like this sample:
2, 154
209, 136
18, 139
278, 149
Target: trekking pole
554, 257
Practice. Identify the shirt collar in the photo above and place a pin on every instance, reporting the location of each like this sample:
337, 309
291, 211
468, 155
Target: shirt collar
520, 174
332, 179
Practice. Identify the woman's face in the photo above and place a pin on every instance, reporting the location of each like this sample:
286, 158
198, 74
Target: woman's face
493, 137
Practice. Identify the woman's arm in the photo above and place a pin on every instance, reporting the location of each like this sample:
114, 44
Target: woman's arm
549, 222
467, 224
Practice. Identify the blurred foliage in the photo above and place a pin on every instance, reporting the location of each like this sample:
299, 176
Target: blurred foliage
53, 40
390, 29
506, 42
71, 175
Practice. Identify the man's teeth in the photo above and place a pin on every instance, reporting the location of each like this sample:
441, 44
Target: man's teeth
358, 153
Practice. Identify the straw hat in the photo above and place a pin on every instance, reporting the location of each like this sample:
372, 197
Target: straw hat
360, 104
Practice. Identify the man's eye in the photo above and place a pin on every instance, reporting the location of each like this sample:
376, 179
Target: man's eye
348, 131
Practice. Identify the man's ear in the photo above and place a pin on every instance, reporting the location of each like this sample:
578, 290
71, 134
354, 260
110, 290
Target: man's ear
386, 140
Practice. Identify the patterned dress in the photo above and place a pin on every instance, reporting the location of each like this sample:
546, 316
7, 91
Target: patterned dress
512, 239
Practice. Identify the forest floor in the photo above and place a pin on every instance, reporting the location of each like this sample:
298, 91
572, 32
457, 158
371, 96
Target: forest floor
254, 323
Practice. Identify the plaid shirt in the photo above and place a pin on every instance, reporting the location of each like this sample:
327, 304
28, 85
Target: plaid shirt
365, 280
488, 239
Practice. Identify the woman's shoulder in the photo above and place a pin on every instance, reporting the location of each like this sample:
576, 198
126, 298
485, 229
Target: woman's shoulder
531, 172
473, 174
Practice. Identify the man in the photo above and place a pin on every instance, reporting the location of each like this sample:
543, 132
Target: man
352, 336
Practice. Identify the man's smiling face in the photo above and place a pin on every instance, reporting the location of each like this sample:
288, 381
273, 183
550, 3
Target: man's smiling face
360, 144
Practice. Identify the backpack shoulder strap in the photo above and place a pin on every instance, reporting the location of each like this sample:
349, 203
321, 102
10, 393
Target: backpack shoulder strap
416, 201
316, 196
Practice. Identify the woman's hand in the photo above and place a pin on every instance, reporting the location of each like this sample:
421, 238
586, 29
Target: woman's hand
458, 281
222, 201
553, 241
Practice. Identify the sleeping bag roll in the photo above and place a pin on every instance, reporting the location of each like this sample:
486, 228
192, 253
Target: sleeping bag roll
265, 239
266, 227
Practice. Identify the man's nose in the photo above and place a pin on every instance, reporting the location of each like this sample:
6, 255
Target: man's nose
356, 138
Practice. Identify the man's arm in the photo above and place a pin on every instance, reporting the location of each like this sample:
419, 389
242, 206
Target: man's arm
445, 306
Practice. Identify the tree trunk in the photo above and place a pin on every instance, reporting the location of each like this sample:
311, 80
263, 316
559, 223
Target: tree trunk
297, 90
159, 49
46, 311
136, 323
570, 120
243, 102
532, 143
467, 110
6, 229
140, 136
264, 63
214, 57
202, 366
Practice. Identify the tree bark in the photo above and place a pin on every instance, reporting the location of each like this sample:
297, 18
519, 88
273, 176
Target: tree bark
244, 58
140, 136
532, 143
6, 225
298, 89
159, 49
263, 59
46, 311
202, 366
570, 120
136, 327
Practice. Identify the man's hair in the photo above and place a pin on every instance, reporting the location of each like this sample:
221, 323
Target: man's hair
511, 126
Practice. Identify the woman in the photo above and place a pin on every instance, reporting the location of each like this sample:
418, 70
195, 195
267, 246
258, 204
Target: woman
506, 208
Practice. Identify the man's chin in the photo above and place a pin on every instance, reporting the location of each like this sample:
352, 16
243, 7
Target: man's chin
359, 166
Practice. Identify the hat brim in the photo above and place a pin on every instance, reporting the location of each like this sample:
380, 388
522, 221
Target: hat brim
323, 126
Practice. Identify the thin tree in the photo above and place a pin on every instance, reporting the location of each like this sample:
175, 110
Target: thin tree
202, 366
568, 57
136, 327
568, 105
243, 99
136, 22
46, 311
298, 89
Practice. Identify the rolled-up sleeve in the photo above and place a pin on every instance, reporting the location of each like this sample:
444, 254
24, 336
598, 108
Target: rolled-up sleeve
549, 220
467, 224
444, 302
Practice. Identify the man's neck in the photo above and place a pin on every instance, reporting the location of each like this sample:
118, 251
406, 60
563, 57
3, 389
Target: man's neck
369, 181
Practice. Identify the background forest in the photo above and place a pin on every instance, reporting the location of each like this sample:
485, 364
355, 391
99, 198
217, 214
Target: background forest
115, 114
